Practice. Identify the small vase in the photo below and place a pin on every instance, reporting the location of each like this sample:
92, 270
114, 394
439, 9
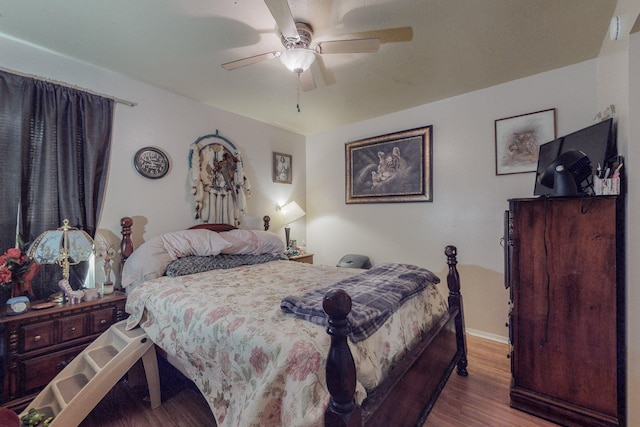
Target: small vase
107, 288
23, 287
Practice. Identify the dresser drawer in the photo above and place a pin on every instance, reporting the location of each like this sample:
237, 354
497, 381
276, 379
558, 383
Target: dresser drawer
37, 336
37, 345
40, 370
101, 320
72, 327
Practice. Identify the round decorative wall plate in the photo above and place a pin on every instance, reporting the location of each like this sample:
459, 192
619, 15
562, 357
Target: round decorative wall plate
151, 162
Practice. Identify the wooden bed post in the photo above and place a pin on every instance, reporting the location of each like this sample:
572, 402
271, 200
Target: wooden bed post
126, 245
455, 300
340, 369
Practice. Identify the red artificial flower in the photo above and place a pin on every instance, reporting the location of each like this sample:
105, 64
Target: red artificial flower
14, 253
13, 265
5, 275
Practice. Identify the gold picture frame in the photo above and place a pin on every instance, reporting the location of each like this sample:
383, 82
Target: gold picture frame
391, 168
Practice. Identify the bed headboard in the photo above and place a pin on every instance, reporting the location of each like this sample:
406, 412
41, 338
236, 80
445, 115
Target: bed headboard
126, 244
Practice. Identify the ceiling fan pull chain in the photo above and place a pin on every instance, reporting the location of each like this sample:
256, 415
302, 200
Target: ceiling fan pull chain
298, 94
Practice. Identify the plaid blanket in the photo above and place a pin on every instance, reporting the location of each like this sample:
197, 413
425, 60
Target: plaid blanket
375, 295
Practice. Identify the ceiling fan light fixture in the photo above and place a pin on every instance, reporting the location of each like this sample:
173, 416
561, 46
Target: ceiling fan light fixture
298, 59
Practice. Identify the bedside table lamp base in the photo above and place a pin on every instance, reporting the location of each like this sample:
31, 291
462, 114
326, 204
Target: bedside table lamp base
287, 236
290, 212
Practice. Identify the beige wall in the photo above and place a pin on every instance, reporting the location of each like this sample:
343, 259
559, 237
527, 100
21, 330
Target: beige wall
619, 84
468, 198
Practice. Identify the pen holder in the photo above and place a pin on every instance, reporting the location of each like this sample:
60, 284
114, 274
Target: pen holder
606, 187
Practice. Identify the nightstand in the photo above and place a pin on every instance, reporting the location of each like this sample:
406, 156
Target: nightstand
305, 258
37, 345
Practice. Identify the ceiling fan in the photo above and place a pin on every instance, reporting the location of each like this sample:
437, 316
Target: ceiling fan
298, 55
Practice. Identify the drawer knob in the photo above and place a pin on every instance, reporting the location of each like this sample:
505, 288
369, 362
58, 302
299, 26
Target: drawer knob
103, 321
73, 329
37, 338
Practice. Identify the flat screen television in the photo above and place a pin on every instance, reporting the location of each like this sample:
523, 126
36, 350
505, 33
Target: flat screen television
596, 141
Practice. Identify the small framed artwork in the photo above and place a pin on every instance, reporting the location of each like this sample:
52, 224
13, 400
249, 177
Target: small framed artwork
282, 168
518, 139
390, 168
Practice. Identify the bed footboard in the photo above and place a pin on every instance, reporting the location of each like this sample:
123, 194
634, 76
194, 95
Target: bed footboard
455, 300
340, 368
439, 352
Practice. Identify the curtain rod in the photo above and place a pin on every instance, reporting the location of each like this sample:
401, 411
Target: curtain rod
69, 85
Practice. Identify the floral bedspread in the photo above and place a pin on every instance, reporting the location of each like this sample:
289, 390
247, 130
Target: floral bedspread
256, 365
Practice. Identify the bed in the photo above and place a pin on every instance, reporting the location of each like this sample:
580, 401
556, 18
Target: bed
257, 365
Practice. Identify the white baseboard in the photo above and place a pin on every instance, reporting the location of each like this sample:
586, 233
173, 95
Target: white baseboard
488, 336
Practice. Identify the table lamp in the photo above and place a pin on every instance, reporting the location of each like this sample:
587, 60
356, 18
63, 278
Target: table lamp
290, 212
65, 246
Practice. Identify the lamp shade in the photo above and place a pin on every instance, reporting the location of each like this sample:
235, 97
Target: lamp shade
298, 59
291, 212
64, 246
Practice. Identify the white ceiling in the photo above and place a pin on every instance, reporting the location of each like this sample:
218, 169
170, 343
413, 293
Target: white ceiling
458, 46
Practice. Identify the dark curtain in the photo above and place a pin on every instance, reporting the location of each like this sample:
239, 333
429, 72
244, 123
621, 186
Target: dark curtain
12, 129
60, 141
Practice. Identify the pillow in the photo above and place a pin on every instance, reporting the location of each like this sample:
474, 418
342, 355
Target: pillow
199, 242
253, 242
147, 262
197, 264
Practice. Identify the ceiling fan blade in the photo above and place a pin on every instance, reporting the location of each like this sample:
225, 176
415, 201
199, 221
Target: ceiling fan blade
307, 82
249, 60
281, 12
327, 75
389, 35
349, 46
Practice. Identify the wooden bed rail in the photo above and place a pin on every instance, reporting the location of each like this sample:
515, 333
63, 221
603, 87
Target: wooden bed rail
342, 410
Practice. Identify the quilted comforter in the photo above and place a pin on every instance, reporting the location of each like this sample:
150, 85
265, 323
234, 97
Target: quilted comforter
256, 365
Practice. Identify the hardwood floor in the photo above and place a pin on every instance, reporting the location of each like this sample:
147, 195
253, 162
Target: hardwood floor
481, 399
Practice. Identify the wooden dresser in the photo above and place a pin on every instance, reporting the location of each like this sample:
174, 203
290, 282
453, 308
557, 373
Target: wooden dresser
565, 270
37, 345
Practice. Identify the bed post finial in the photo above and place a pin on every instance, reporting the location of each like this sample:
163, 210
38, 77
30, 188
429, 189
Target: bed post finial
126, 245
340, 369
455, 300
266, 220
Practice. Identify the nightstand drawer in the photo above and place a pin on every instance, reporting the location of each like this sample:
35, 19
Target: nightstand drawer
72, 327
101, 320
37, 336
40, 370
304, 258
